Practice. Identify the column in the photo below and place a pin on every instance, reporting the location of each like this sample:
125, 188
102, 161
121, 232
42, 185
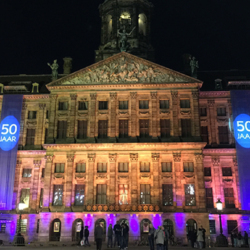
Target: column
92, 115
212, 119
178, 185
134, 178
41, 124
90, 198
112, 178
133, 116
52, 119
175, 109
112, 122
71, 122
69, 181
155, 196
155, 125
195, 114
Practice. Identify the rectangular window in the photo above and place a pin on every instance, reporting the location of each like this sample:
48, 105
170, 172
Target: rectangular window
232, 225
47, 114
25, 196
207, 171
188, 166
186, 127
190, 195
102, 129
123, 166
123, 194
101, 194
81, 167
145, 167
226, 171
2, 228
165, 127
167, 195
23, 225
32, 115
63, 106
45, 135
145, 194
229, 197
185, 103
82, 105
59, 167
103, 105
27, 172
123, 128
164, 104
209, 198
79, 195
43, 172
102, 167
221, 112
41, 198
62, 130
212, 227
223, 135
144, 128
166, 166
58, 195
204, 134
203, 111
30, 137
143, 104
123, 104
82, 129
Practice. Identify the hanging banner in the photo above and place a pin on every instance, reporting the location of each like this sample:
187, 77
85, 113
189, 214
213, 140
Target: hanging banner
241, 116
9, 136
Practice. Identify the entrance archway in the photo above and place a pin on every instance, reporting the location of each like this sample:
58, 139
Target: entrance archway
55, 230
77, 230
145, 229
103, 223
169, 225
191, 225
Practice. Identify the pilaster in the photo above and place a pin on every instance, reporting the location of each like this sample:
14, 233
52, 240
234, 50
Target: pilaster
41, 123
177, 170
69, 181
156, 184
91, 172
36, 184
195, 113
174, 95
133, 112
199, 182
113, 98
71, 122
154, 130
112, 180
92, 115
134, 178
212, 118
52, 119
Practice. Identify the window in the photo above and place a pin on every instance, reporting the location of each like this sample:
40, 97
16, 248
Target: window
41, 198
101, 194
101, 167
23, 225
27, 172
144, 128
25, 196
204, 134
123, 166
37, 226
62, 130
103, 129
58, 195
103, 105
221, 112
81, 167
185, 103
166, 166
232, 225
123, 104
43, 172
63, 106
207, 171
82, 105
203, 111
186, 127
82, 129
145, 166
165, 127
32, 115
143, 104
209, 198
2, 228
30, 137
229, 197
59, 167
123, 128
123, 194
164, 104
223, 135
45, 135
226, 171
47, 114
145, 194
79, 195
212, 227
167, 195
188, 166
190, 195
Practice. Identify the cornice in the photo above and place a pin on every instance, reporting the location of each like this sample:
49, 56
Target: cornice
42, 96
214, 94
219, 150
31, 152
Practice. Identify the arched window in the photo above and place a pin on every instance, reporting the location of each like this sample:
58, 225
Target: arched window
168, 224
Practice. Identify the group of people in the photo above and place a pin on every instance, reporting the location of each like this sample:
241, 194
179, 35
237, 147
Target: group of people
197, 237
238, 240
159, 237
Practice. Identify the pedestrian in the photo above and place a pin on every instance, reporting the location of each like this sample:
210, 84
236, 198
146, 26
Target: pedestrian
200, 238
235, 239
239, 239
110, 236
204, 236
117, 230
98, 236
151, 241
166, 237
159, 238
86, 236
124, 236
246, 238
127, 235
232, 238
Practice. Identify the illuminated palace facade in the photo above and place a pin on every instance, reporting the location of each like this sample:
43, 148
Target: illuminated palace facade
123, 139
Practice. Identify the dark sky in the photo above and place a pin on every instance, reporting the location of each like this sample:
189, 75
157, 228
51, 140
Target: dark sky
35, 32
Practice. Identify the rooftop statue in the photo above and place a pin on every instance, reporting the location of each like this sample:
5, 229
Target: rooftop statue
194, 66
124, 45
54, 68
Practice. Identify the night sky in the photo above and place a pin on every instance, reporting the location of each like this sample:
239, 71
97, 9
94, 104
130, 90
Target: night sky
216, 32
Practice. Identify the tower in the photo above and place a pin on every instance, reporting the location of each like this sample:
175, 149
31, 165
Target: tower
125, 27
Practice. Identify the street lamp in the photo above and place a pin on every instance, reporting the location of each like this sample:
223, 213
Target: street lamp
221, 240
19, 239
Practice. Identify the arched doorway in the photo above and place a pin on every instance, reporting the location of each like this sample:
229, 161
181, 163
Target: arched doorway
169, 225
191, 225
145, 229
102, 222
55, 230
77, 230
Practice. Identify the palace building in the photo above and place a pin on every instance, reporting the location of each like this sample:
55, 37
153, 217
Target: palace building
124, 139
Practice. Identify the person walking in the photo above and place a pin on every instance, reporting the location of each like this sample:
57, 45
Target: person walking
98, 236
166, 237
235, 239
151, 241
117, 230
159, 238
232, 238
245, 238
86, 236
126, 235
200, 239
204, 236
110, 236
239, 239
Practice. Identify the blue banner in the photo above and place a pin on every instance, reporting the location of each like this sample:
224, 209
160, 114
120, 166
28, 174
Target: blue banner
9, 136
241, 114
